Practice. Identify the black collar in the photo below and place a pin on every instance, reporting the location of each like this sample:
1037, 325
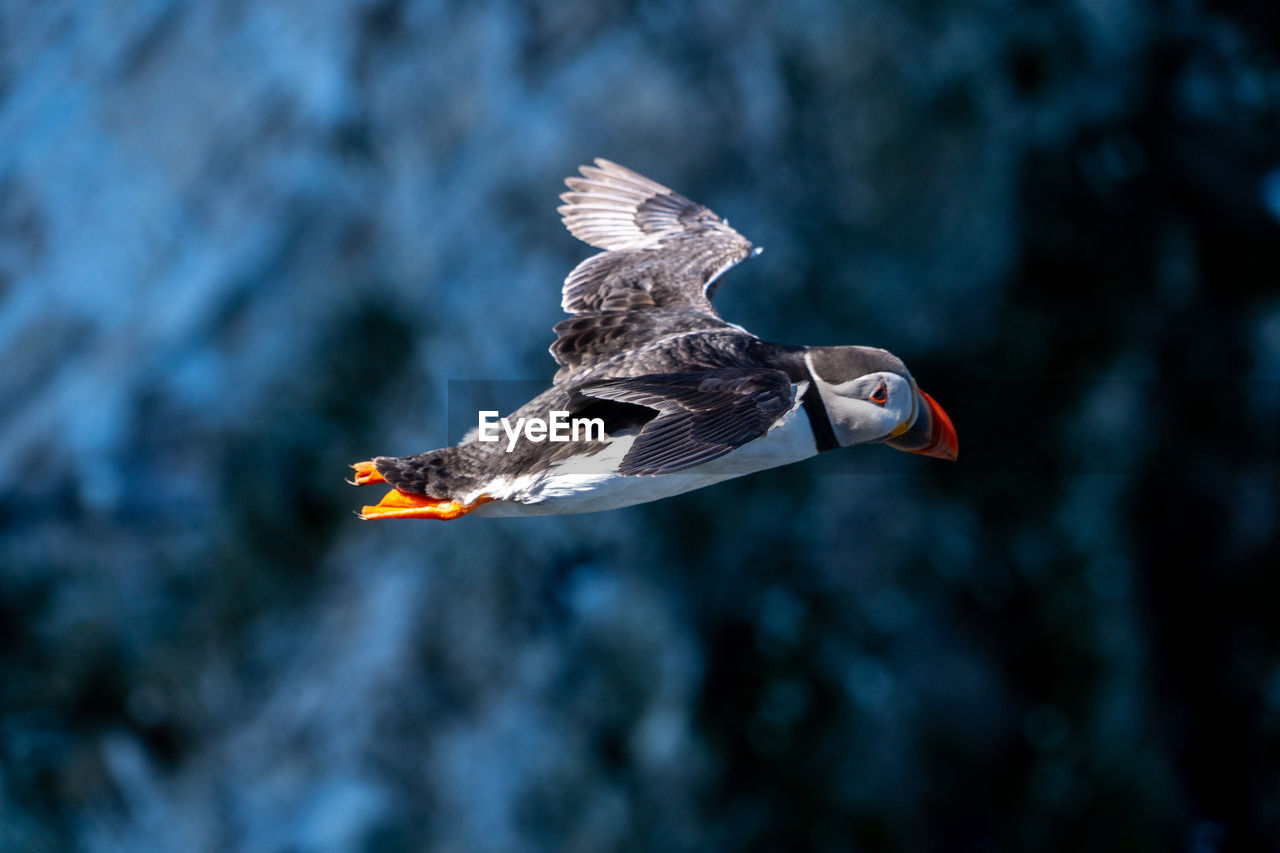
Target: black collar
823, 435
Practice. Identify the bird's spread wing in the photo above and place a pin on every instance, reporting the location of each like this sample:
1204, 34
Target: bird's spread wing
661, 249
701, 415
663, 256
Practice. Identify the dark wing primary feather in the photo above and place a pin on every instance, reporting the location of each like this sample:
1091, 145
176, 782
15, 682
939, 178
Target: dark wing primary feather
701, 415
662, 250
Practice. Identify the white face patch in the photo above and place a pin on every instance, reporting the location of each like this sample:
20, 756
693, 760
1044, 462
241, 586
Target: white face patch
868, 408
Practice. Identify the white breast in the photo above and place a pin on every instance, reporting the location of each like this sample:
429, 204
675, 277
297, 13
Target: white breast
592, 484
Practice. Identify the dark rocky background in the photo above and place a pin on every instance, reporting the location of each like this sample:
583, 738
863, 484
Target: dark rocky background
245, 244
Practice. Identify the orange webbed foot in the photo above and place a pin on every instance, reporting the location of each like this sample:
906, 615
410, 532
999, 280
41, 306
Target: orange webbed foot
366, 474
398, 504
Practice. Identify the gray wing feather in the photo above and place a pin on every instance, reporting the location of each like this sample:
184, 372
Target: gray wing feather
701, 416
662, 250
586, 340
612, 207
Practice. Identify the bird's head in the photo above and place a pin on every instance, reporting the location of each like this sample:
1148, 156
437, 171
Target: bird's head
870, 396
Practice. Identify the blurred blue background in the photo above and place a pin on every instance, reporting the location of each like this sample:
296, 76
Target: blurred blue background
245, 244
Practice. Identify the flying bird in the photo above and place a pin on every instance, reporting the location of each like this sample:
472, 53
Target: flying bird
679, 397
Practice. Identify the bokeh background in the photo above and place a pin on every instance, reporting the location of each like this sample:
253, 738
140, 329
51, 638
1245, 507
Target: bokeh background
245, 244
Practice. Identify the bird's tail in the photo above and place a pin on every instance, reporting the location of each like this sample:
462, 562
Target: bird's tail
429, 485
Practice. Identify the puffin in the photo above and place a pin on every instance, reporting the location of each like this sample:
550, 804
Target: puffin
670, 396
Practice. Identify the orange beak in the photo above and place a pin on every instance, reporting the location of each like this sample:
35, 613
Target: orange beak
931, 435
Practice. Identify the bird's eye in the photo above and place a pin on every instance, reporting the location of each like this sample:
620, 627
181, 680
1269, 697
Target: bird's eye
881, 395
